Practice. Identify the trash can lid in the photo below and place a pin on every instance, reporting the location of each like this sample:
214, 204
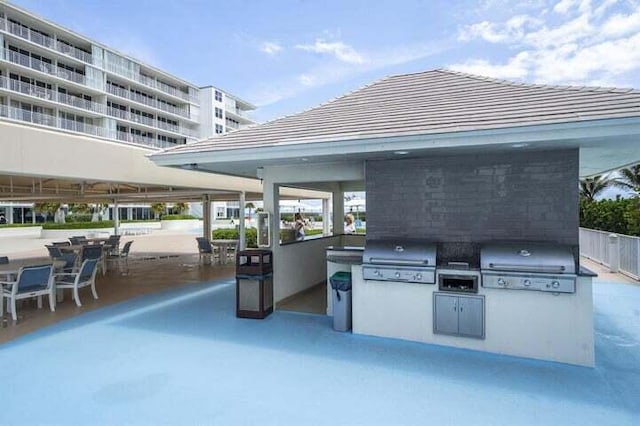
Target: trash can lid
341, 281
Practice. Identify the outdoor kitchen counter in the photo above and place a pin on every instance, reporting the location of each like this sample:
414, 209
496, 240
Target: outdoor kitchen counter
341, 258
585, 272
532, 324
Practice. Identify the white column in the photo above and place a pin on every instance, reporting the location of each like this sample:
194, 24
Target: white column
338, 212
241, 230
326, 217
206, 217
116, 217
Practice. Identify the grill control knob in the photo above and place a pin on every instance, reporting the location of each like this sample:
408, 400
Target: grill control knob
501, 282
397, 274
418, 276
376, 273
527, 283
555, 284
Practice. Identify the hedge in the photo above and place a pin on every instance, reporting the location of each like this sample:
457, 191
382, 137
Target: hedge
251, 235
19, 225
79, 225
177, 217
621, 216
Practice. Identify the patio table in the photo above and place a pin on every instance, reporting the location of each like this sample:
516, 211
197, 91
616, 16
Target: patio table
223, 249
77, 248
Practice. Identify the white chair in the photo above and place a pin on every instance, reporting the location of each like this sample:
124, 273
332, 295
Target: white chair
86, 276
32, 281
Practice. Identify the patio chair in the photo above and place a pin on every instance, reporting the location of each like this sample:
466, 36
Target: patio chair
122, 256
32, 281
114, 244
94, 252
54, 251
78, 240
86, 276
204, 249
61, 244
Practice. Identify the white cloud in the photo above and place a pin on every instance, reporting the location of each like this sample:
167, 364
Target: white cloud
621, 24
511, 31
588, 45
270, 48
341, 51
334, 71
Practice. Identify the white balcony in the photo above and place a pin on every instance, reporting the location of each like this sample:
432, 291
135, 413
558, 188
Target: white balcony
145, 100
45, 67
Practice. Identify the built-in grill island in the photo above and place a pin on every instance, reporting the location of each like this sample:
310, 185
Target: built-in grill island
528, 266
402, 260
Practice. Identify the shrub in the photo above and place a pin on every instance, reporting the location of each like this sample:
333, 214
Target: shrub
18, 225
621, 216
79, 225
251, 235
75, 218
178, 217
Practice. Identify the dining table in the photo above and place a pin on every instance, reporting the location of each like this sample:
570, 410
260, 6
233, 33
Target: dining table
223, 249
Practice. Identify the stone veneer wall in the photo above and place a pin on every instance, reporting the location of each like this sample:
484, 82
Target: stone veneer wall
464, 199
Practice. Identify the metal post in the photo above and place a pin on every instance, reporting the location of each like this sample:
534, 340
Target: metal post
241, 227
116, 217
614, 253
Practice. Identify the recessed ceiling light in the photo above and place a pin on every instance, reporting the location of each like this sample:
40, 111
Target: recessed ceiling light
519, 145
400, 152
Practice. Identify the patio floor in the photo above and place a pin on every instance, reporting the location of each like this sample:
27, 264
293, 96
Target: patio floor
181, 357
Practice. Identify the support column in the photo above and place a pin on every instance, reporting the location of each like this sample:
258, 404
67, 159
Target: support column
338, 212
326, 217
116, 217
206, 217
271, 200
241, 227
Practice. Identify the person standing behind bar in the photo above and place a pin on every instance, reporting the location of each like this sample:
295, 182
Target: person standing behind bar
299, 227
350, 227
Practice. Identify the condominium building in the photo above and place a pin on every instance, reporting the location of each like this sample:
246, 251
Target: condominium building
53, 77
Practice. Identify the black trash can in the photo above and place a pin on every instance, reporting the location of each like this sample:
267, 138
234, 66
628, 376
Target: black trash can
341, 297
254, 284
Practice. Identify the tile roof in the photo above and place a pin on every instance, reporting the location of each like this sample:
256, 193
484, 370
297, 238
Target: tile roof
430, 102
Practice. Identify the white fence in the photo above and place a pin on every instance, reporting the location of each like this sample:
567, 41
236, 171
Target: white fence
621, 253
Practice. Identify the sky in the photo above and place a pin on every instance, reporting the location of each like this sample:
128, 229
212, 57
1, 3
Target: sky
287, 56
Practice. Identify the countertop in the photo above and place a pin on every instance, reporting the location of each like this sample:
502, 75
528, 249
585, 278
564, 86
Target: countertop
346, 248
584, 272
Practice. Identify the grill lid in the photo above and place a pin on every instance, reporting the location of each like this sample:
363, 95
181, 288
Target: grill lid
527, 257
403, 252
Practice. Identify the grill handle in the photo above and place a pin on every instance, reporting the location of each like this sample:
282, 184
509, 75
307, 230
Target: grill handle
525, 268
383, 261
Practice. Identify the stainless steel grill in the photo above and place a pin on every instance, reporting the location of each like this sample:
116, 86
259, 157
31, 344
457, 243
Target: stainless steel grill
399, 260
528, 266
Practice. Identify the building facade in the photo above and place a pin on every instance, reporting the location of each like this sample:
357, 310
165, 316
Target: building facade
59, 79
53, 77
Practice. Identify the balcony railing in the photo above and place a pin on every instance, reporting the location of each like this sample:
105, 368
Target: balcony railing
49, 95
145, 100
142, 120
81, 103
170, 127
45, 41
142, 140
45, 67
74, 52
118, 113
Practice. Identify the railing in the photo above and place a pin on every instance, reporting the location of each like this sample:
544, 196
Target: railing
81, 103
118, 113
142, 140
46, 41
48, 94
617, 251
143, 120
123, 93
169, 126
45, 67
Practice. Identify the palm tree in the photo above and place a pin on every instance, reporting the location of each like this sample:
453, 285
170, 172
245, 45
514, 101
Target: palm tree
179, 208
591, 187
629, 178
249, 206
158, 209
47, 208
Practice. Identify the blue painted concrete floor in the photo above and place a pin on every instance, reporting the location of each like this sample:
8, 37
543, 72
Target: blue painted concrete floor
181, 357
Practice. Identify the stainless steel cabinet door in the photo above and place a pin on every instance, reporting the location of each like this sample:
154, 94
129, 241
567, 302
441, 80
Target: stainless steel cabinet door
471, 316
445, 314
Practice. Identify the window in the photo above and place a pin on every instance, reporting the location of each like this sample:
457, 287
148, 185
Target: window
218, 112
219, 129
218, 95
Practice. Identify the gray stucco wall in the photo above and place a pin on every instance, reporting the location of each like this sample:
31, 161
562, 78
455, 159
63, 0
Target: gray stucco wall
475, 198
